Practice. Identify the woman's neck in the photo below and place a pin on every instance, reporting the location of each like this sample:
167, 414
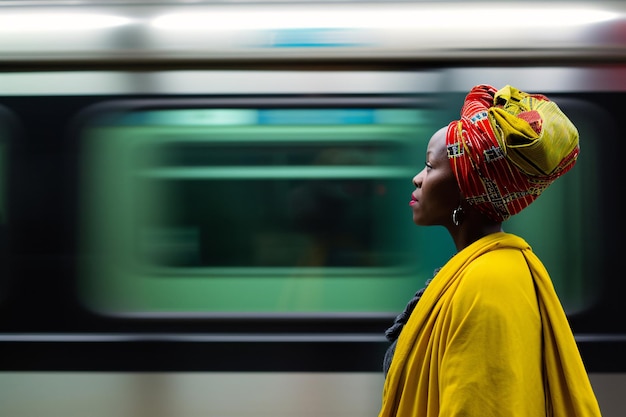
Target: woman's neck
474, 227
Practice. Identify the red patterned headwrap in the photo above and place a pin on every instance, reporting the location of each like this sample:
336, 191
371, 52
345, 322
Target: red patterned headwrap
508, 147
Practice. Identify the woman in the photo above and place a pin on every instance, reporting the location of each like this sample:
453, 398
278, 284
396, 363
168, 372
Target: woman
488, 336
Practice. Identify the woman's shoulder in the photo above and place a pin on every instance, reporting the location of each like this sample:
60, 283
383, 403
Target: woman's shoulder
501, 270
497, 286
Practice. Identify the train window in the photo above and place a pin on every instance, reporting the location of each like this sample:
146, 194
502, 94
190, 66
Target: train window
254, 210
269, 210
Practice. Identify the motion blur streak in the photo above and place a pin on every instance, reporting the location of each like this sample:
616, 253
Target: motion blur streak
460, 18
228, 394
58, 21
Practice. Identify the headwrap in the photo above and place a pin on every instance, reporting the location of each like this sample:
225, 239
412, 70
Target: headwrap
508, 147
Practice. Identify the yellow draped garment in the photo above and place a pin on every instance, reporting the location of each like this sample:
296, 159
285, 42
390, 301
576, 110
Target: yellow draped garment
489, 337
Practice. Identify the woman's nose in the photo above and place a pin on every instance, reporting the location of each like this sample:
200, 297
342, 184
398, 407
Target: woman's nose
417, 181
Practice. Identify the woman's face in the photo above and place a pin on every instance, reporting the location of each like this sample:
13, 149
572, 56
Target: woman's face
436, 192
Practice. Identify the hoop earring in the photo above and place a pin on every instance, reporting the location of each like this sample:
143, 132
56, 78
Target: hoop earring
457, 215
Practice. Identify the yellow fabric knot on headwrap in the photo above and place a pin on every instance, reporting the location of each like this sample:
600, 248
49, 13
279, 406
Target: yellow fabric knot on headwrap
508, 147
537, 148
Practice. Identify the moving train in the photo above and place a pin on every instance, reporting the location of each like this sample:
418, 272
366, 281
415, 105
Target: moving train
203, 204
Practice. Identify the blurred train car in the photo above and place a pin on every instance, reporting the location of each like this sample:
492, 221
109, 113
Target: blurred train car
203, 204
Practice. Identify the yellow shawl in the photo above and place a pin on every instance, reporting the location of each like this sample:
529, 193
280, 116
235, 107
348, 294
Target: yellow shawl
489, 338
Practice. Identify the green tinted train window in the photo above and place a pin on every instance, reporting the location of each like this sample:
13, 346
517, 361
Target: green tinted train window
248, 211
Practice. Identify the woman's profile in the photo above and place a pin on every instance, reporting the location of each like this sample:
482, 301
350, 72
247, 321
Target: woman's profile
488, 335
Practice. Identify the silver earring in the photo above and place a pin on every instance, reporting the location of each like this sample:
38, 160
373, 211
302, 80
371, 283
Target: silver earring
457, 215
